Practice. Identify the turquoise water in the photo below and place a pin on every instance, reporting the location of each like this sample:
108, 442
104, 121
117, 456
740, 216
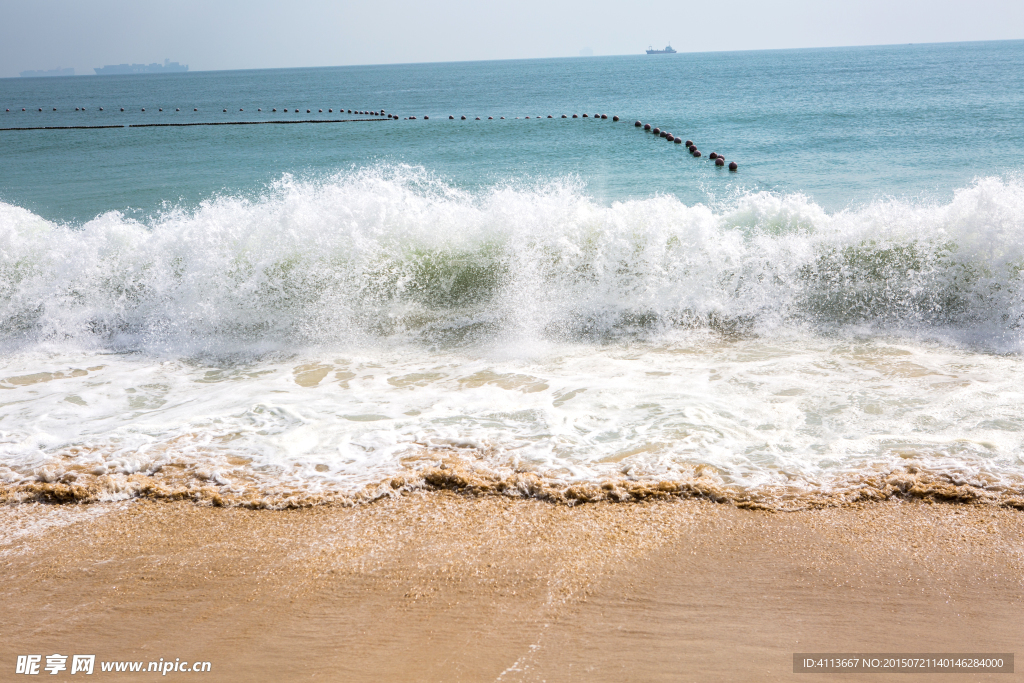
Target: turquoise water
843, 126
310, 310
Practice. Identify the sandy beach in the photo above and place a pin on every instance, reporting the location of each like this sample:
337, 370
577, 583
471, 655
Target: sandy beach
441, 587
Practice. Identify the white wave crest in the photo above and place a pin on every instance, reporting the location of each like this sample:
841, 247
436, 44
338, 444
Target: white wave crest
395, 254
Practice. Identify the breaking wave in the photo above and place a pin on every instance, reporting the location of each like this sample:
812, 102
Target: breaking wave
394, 253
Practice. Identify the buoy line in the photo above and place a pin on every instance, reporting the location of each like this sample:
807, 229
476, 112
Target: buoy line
204, 123
246, 123
718, 159
690, 146
60, 127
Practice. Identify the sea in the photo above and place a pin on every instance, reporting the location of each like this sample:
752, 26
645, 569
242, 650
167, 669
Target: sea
474, 278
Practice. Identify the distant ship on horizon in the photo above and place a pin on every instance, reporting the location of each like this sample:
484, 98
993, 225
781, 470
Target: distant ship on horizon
667, 51
47, 72
168, 67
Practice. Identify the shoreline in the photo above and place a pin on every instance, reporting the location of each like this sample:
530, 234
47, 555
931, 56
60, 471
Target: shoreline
206, 484
439, 586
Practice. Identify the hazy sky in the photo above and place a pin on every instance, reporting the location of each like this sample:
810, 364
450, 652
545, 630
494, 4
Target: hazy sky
237, 34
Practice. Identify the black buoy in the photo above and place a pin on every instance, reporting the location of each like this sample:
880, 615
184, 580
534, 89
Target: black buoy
647, 126
638, 124
503, 117
160, 109
689, 143
319, 111
615, 118
329, 111
225, 110
670, 138
489, 118
586, 116
195, 110
550, 116
177, 109
101, 109
719, 161
425, 118
122, 109
662, 134
143, 109
463, 118
55, 109
564, 116
696, 152
240, 109
679, 141
274, 109
712, 156
349, 111
527, 117
656, 131
307, 111
691, 147
733, 166
478, 118
576, 117
604, 116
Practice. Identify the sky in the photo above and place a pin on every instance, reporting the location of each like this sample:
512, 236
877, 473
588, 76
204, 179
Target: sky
253, 34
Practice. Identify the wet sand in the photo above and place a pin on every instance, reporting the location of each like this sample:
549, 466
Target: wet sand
440, 587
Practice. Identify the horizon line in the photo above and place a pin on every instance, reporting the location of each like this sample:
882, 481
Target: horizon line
506, 59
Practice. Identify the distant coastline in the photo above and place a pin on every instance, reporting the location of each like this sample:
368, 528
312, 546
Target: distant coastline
51, 72
154, 68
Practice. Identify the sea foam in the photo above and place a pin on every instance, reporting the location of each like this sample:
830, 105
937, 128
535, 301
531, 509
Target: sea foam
395, 254
356, 334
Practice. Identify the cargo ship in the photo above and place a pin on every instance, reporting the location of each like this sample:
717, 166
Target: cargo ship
168, 67
667, 51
